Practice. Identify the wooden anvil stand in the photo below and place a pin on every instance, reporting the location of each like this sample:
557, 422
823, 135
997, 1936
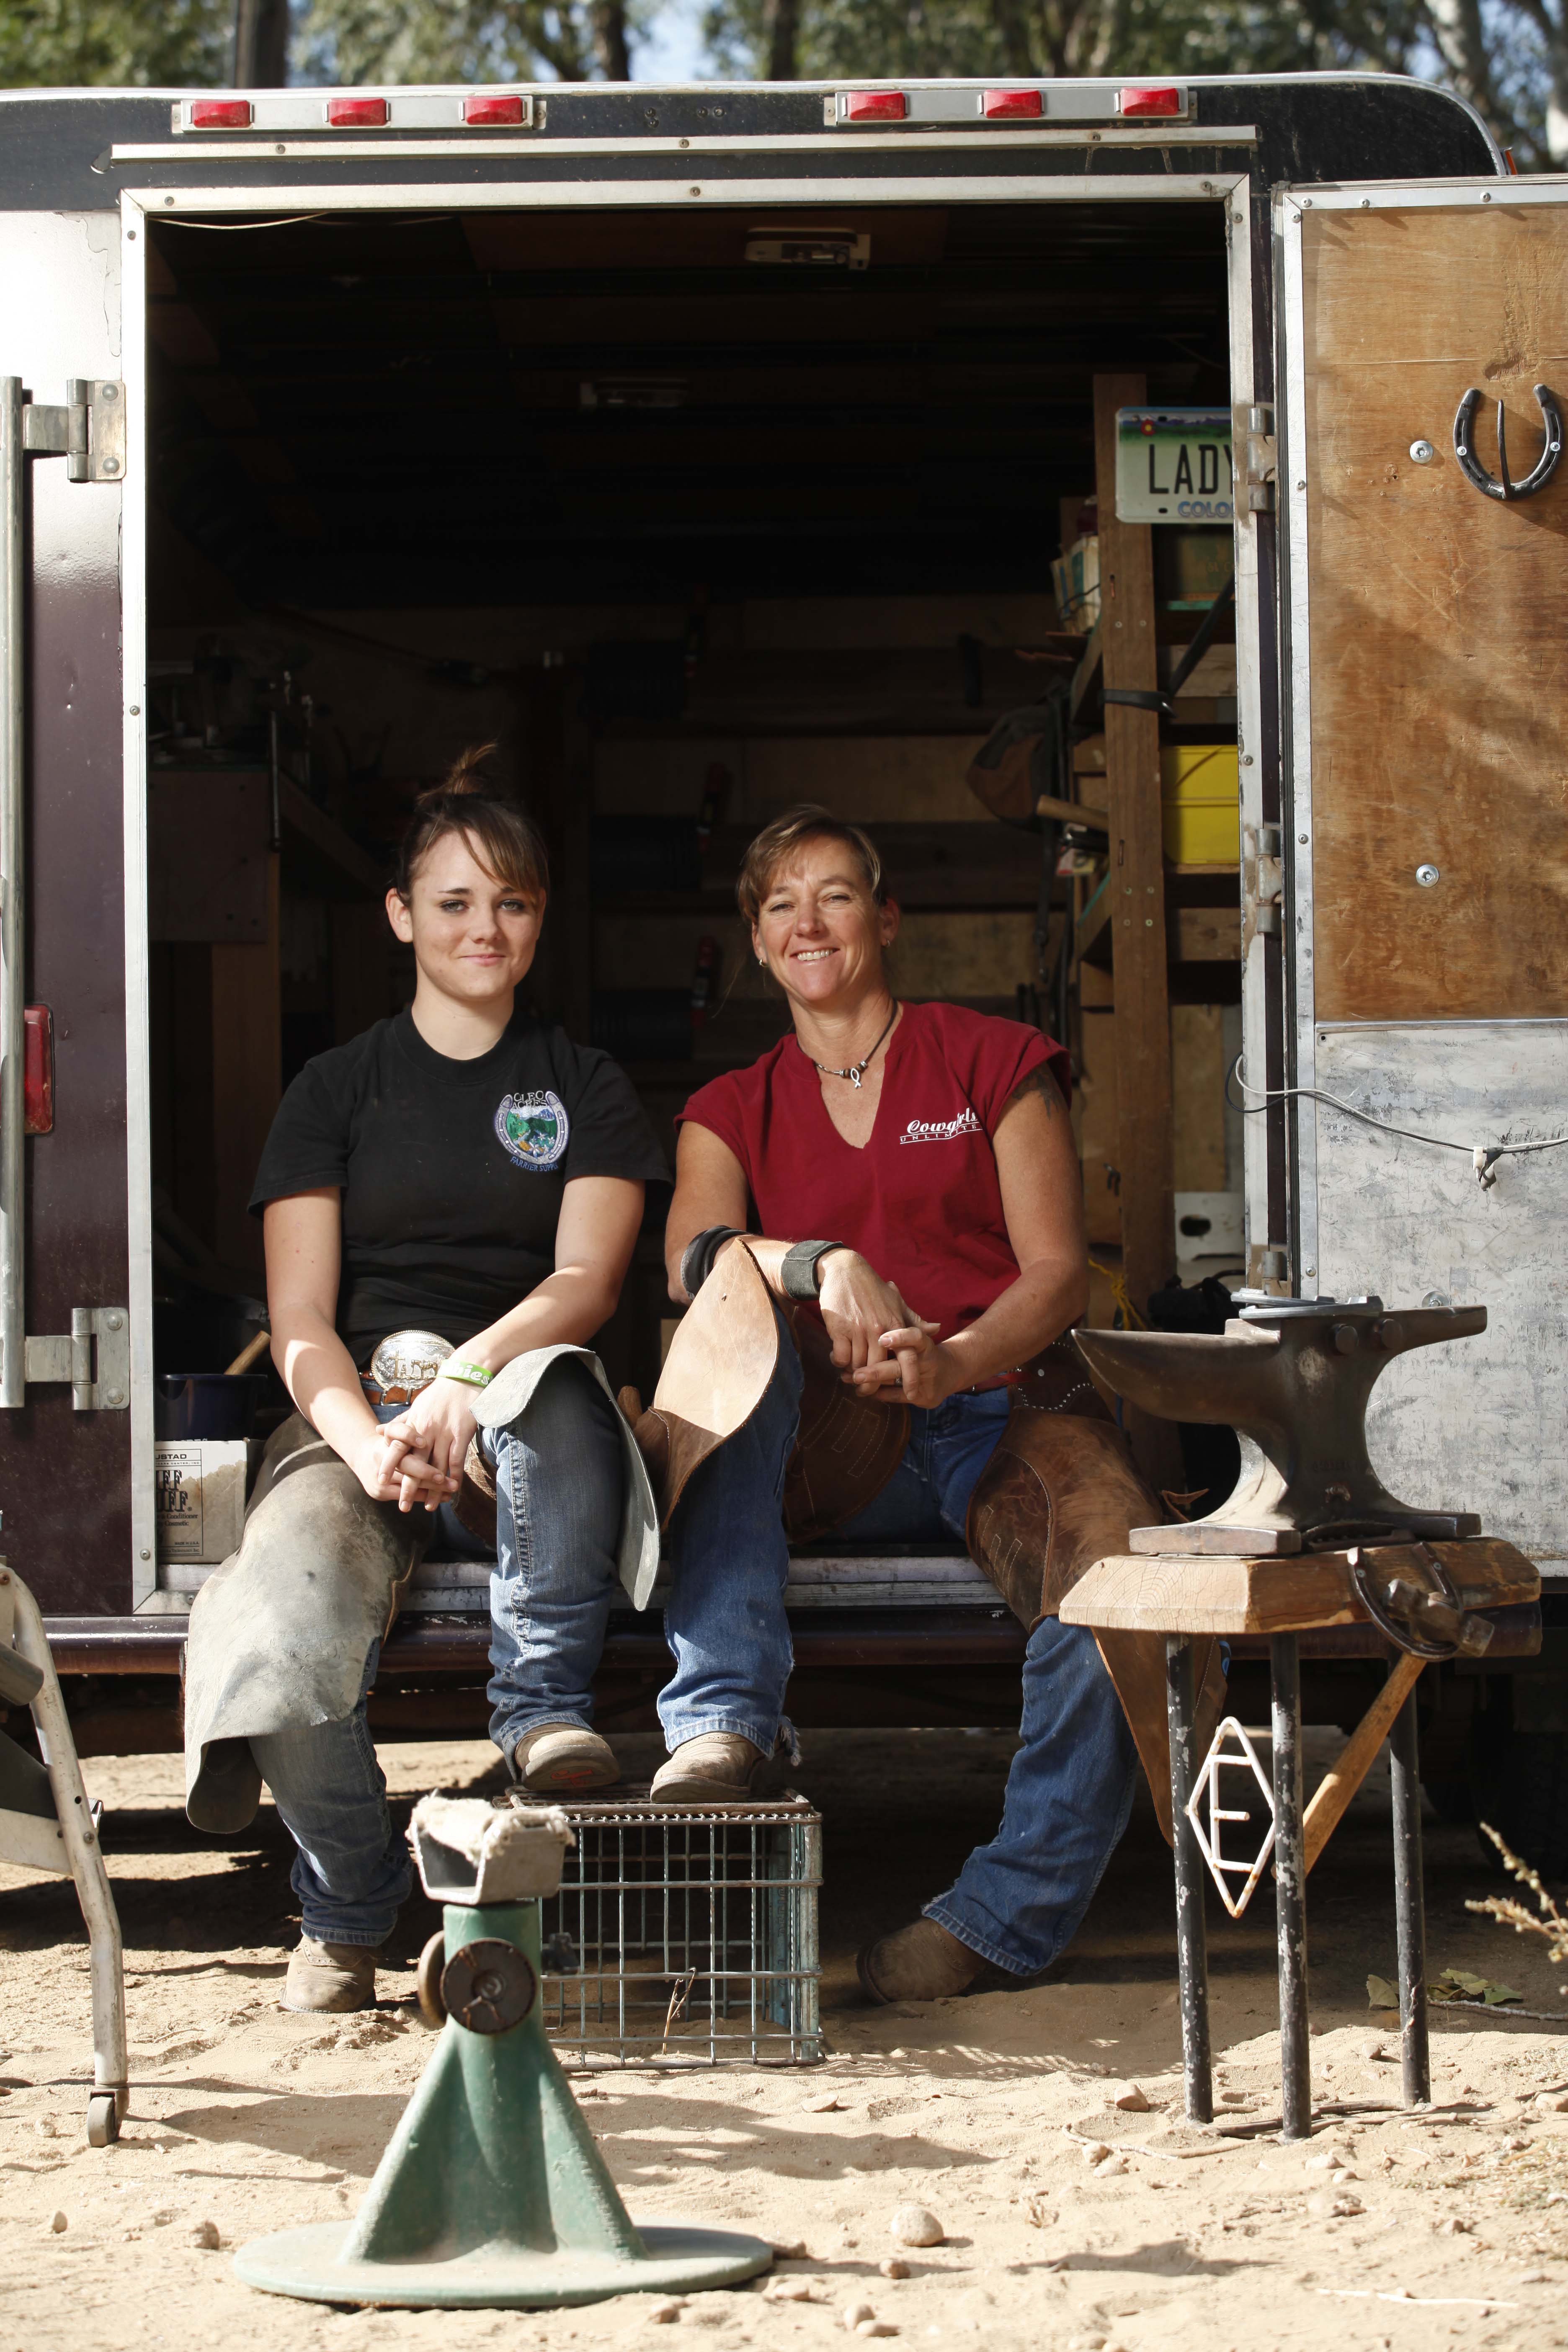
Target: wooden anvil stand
1181, 1595
1308, 1542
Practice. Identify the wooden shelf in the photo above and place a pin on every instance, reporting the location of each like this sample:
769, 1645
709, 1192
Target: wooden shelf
983, 867
1202, 917
1170, 629
1083, 678
316, 841
1092, 921
895, 690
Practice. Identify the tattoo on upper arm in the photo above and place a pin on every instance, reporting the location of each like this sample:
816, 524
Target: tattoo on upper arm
1039, 1082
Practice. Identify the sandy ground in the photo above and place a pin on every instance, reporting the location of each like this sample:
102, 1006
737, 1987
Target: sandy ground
1387, 2230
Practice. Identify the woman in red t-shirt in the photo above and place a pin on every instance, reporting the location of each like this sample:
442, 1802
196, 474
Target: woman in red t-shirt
912, 1168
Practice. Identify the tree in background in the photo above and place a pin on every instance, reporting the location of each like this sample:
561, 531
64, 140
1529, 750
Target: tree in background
348, 41
125, 44
1509, 58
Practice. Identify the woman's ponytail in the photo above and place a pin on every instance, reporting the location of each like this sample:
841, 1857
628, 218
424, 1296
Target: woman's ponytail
504, 838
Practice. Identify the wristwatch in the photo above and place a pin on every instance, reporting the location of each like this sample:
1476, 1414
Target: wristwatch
800, 1275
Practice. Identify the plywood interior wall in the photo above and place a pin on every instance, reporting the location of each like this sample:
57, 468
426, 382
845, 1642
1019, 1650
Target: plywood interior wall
1439, 679
962, 954
1206, 1160
871, 780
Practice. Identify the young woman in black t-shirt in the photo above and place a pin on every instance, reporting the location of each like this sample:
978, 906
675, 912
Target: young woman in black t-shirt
465, 1173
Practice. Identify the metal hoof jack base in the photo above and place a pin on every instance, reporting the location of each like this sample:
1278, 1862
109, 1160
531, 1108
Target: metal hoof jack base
492, 2193
1310, 1539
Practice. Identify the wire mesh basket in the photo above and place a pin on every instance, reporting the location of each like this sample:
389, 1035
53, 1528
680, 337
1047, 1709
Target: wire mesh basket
687, 1935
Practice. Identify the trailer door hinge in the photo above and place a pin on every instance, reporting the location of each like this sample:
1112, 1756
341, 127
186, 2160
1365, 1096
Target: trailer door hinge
89, 433
1255, 431
94, 1356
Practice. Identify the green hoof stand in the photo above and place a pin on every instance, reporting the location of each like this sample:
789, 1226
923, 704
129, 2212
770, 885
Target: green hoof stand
492, 2193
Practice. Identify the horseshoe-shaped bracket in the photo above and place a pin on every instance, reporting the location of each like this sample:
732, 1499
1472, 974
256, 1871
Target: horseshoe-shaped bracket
1471, 466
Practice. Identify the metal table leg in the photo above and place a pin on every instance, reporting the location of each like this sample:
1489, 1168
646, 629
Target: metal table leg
1410, 1909
1191, 1932
1291, 1888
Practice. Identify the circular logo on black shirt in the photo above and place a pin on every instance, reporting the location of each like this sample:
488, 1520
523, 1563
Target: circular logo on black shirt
533, 1127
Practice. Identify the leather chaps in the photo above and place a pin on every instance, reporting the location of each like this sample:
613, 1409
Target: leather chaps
1059, 1492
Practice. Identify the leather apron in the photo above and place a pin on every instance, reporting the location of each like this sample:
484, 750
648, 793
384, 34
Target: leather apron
1059, 1492
280, 1633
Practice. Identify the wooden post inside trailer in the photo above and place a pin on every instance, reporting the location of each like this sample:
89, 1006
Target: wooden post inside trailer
1135, 890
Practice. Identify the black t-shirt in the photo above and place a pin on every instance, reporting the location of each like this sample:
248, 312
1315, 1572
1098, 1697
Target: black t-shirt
452, 1172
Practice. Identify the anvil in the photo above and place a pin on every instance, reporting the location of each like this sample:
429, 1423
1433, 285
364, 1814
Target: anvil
1291, 1378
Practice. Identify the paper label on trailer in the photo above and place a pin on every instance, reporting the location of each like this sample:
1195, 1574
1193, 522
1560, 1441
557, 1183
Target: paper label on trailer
1172, 465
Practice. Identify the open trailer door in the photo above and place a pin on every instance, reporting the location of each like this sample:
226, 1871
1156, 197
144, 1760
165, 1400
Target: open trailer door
65, 1326
1427, 739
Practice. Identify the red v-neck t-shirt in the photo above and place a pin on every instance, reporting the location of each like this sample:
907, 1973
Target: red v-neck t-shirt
921, 1200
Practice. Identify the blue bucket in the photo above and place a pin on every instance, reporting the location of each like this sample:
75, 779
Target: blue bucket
188, 1405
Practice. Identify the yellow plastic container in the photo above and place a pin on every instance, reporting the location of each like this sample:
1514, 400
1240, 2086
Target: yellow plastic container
1200, 803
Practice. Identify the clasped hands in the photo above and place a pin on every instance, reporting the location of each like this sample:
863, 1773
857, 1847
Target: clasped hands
884, 1351
418, 1458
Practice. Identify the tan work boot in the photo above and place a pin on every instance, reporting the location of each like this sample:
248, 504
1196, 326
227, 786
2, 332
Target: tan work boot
330, 1977
717, 1768
921, 1962
555, 1758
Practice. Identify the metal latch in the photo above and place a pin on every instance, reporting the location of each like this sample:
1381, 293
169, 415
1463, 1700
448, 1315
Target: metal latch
94, 1356
89, 433
1254, 430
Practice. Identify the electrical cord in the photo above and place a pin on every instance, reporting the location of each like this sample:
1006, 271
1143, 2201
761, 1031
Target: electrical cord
1483, 1156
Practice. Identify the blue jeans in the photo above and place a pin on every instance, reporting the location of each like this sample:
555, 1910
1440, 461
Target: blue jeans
1018, 1900
559, 1481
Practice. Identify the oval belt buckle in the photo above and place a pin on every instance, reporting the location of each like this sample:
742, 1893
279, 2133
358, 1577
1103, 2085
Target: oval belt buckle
409, 1359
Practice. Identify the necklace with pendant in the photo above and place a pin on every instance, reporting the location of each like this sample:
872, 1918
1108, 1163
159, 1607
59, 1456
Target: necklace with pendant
857, 1070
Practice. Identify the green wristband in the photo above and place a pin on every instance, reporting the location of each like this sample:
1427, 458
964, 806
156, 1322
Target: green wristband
459, 1368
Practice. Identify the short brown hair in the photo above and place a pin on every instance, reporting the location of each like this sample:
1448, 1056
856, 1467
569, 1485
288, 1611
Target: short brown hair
505, 839
777, 843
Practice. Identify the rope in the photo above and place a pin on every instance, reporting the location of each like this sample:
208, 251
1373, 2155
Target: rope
1121, 1300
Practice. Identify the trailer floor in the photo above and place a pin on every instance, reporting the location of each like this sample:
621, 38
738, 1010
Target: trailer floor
1385, 2231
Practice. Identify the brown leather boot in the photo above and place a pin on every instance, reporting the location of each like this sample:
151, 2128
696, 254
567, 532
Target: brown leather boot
555, 1758
717, 1768
329, 1978
921, 1962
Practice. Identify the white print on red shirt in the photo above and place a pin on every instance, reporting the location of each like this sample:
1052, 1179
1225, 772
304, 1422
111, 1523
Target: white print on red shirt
941, 1130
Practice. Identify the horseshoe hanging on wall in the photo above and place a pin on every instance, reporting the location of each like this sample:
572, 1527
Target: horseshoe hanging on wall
1470, 465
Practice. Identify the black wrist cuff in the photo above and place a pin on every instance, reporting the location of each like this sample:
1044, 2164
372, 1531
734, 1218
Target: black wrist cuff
798, 1274
697, 1258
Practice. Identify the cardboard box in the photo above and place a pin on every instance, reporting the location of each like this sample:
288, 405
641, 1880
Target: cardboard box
1075, 584
1192, 568
201, 1497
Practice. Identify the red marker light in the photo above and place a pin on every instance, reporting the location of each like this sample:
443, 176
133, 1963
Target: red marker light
1150, 102
486, 113
1013, 105
356, 113
875, 105
38, 1070
221, 114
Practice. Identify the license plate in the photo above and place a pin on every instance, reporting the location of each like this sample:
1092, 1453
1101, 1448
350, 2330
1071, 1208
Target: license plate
1172, 465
